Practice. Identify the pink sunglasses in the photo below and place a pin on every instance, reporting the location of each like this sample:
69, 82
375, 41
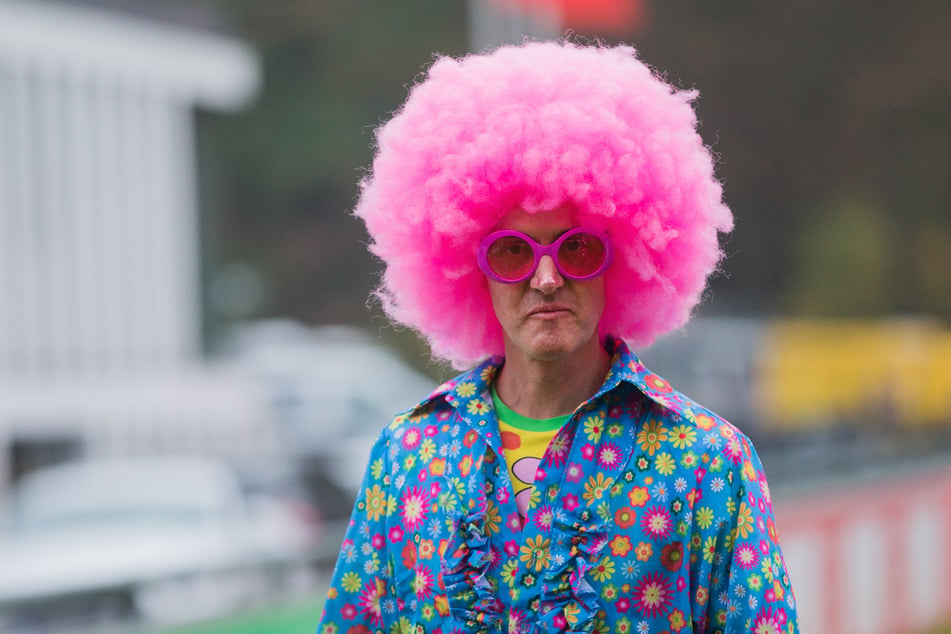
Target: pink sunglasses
511, 256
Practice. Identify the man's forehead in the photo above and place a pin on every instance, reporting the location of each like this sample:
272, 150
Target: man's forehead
550, 222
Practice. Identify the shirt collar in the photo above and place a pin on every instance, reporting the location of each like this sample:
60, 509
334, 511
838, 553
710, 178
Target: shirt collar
469, 392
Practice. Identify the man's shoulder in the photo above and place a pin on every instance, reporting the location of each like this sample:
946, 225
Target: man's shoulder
667, 403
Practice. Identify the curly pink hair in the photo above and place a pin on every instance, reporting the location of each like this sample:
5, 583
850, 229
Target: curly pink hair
540, 126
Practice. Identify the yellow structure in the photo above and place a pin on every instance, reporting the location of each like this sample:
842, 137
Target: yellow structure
812, 372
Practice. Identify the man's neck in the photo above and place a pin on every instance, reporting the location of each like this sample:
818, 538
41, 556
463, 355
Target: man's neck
545, 389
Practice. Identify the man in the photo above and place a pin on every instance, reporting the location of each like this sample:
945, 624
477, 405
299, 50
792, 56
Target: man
536, 208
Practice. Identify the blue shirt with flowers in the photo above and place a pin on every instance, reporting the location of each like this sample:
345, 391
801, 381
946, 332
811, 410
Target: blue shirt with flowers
650, 515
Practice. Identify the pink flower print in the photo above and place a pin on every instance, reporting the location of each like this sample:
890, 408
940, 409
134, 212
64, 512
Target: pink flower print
653, 595
769, 622
746, 556
558, 450
411, 438
422, 582
734, 450
575, 472
414, 508
609, 456
657, 523
370, 600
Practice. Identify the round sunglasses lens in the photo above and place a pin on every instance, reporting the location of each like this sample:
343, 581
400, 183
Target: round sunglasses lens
510, 257
582, 254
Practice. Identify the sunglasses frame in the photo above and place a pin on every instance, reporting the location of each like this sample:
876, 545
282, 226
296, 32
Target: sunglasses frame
541, 250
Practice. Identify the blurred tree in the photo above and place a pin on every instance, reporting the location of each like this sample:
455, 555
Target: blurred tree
842, 262
801, 101
287, 170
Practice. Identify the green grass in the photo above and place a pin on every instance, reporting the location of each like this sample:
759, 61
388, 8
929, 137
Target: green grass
292, 618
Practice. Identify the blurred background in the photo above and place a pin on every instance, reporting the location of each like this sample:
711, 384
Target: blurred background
184, 326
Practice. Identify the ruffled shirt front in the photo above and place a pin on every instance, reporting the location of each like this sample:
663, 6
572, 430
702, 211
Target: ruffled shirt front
652, 516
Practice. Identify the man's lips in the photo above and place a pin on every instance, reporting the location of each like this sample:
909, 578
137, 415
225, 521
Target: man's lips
551, 310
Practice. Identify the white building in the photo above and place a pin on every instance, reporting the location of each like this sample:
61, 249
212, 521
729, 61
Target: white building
100, 319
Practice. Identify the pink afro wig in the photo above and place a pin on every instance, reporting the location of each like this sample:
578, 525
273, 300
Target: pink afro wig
537, 127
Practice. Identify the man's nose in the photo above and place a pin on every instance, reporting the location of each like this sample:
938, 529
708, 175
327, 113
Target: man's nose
547, 278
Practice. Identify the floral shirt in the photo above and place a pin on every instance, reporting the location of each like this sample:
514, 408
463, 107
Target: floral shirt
650, 515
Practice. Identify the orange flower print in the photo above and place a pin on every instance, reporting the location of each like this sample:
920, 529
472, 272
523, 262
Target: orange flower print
657, 383
677, 621
672, 556
625, 517
638, 496
744, 521
644, 551
620, 545
438, 466
705, 422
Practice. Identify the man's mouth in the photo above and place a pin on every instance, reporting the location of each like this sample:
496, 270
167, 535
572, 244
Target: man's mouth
550, 311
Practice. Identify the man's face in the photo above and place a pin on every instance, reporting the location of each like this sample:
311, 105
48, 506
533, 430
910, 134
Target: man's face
547, 317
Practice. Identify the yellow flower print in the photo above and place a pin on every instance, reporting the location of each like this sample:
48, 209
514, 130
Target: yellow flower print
595, 487
466, 389
510, 572
571, 612
465, 466
665, 463
705, 517
351, 582
744, 521
375, 502
427, 451
604, 570
644, 551
477, 406
651, 436
767, 569
536, 553
593, 427
709, 549
683, 436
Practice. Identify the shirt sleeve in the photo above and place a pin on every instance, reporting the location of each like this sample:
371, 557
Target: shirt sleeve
743, 583
361, 594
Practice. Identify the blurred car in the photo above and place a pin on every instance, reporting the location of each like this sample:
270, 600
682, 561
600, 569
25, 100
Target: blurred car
160, 540
332, 390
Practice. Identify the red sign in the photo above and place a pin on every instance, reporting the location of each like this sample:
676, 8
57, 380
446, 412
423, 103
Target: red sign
590, 16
